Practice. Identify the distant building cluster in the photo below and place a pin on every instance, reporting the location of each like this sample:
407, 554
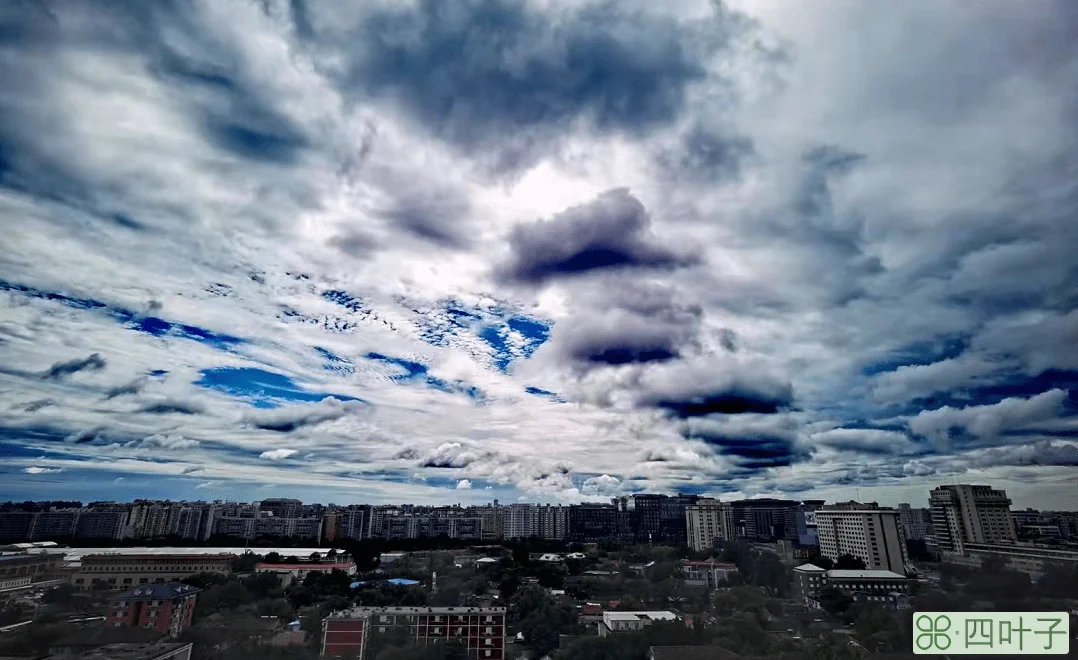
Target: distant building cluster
963, 523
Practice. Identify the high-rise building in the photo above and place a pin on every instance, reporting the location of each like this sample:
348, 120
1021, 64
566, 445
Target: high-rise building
355, 522
967, 513
521, 521
708, 523
479, 631
282, 507
766, 519
105, 521
862, 530
592, 522
912, 521
552, 522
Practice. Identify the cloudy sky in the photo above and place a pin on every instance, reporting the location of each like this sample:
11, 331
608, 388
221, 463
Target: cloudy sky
436, 251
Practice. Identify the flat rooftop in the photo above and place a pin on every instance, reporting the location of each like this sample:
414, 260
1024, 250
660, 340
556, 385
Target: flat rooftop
131, 651
864, 575
357, 612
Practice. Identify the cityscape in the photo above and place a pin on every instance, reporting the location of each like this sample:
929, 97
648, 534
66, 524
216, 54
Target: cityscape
357, 581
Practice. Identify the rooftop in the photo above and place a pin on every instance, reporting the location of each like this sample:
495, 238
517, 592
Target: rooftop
131, 652
158, 591
311, 566
359, 612
809, 568
658, 615
864, 575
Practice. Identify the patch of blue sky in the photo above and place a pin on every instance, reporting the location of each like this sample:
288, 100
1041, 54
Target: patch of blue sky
146, 324
261, 388
412, 371
344, 299
918, 353
334, 362
544, 393
507, 334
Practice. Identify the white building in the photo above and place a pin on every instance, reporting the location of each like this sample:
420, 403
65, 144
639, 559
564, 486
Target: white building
628, 621
964, 514
708, 522
862, 530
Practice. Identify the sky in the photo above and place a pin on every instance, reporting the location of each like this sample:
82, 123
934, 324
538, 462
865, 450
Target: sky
417, 251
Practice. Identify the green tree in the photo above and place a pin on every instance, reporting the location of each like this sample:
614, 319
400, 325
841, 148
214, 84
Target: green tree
850, 563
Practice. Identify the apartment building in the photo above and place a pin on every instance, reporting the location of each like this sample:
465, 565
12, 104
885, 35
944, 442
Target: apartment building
124, 571
914, 522
708, 523
963, 514
480, 631
164, 608
862, 530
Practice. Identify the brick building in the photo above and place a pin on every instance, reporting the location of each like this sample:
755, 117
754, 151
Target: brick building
289, 573
164, 608
479, 630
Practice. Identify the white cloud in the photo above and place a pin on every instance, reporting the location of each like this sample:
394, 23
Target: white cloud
464, 484
233, 209
41, 470
277, 454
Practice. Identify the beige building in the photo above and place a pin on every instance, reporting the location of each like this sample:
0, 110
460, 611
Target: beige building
862, 530
964, 514
123, 571
707, 522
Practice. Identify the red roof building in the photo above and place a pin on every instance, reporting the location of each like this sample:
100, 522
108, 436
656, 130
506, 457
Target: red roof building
165, 608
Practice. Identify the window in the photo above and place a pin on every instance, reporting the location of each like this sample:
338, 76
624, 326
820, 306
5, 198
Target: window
489, 630
486, 654
381, 629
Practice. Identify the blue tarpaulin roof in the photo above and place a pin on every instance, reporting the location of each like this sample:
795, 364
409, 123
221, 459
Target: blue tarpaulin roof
402, 581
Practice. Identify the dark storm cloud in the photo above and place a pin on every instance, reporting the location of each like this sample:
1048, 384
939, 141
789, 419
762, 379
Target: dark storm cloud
60, 370
1041, 452
295, 417
438, 216
234, 113
623, 321
727, 394
504, 75
728, 339
134, 387
610, 232
173, 407
752, 451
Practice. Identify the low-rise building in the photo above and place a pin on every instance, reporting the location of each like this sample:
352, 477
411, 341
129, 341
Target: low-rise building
121, 571
138, 652
289, 573
17, 570
478, 630
868, 586
706, 573
1031, 559
628, 621
164, 608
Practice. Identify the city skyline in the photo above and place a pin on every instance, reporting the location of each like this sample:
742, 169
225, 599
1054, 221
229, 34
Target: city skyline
293, 249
